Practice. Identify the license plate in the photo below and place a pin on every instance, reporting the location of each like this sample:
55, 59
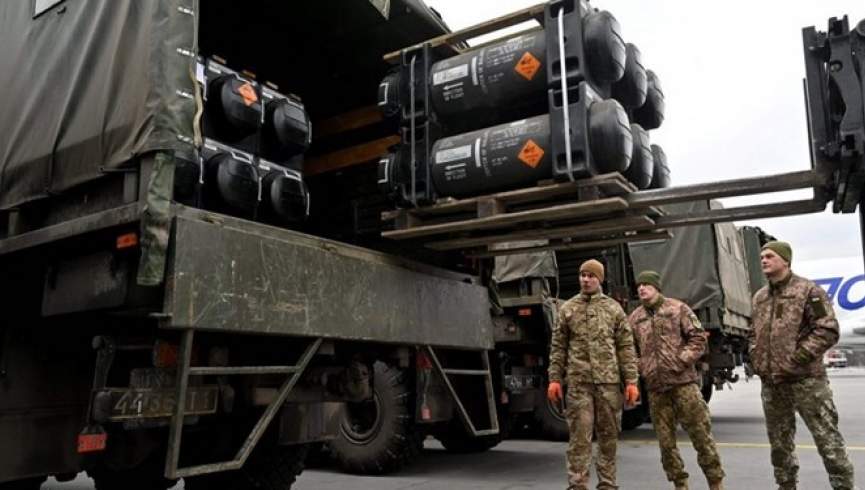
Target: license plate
148, 403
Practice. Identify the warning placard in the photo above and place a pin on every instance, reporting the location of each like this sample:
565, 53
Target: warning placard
247, 91
531, 154
528, 66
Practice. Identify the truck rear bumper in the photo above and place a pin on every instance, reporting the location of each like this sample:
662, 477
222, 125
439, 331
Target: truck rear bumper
231, 275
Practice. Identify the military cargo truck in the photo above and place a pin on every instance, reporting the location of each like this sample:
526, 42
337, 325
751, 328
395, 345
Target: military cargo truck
172, 306
161, 322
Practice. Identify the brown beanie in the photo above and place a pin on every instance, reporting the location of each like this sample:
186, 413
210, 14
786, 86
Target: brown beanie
594, 267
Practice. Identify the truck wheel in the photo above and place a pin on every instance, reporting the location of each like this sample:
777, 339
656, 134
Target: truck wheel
28, 484
268, 468
707, 389
146, 476
631, 419
551, 421
455, 439
379, 436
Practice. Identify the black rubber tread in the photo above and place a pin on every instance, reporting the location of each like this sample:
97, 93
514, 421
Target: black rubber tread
631, 419
146, 476
268, 468
28, 484
460, 442
550, 426
397, 442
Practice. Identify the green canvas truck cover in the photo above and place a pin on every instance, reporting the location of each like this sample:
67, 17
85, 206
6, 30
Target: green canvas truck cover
89, 85
702, 265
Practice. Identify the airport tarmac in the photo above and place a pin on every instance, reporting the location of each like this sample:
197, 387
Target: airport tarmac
531, 464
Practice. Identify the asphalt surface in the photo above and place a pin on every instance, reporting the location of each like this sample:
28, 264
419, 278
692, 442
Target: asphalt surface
530, 464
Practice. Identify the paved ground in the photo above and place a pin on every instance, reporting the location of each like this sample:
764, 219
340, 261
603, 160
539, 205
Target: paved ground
527, 464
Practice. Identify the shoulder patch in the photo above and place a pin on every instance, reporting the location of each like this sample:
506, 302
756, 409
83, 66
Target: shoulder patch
817, 307
695, 321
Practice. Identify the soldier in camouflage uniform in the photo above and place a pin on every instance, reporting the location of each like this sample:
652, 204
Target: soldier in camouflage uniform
671, 340
793, 325
592, 349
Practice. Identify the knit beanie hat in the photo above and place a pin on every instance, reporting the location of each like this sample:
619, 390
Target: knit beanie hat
594, 267
783, 249
651, 278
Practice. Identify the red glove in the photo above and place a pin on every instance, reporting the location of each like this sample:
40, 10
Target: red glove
554, 392
632, 395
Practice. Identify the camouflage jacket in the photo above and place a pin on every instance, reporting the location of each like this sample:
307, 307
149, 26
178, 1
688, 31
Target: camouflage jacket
670, 340
791, 319
592, 342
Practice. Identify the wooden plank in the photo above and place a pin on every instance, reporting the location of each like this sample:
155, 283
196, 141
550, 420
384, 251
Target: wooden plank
606, 226
493, 25
580, 245
349, 157
565, 211
347, 121
613, 183
530, 30
490, 206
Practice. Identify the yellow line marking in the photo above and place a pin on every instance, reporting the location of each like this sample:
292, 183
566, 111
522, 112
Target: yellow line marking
741, 445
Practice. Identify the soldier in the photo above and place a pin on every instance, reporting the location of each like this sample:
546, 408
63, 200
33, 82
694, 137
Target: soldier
671, 340
593, 341
793, 325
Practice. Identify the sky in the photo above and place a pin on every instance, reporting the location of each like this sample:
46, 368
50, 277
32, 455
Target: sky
734, 101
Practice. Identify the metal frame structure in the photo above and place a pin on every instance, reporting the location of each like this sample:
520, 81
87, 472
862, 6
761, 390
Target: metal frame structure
185, 371
445, 373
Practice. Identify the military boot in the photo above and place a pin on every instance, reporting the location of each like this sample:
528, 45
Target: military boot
681, 485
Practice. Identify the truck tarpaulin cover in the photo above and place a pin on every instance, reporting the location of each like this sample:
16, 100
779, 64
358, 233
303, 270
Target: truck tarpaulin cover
520, 266
88, 85
702, 265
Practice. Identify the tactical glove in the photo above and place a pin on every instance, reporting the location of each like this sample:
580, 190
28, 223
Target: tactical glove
632, 394
554, 392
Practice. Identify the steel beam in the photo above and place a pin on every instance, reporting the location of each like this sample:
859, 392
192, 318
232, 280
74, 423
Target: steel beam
725, 188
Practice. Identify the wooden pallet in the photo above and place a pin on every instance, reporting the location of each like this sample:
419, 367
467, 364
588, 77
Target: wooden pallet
572, 244
590, 207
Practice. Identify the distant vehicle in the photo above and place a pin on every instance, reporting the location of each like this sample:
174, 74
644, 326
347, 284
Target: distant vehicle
835, 358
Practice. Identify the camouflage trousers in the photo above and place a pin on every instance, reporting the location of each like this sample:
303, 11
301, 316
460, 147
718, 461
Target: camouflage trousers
812, 399
593, 408
684, 405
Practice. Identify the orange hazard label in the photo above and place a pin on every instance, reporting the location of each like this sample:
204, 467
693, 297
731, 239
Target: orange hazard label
528, 66
247, 91
531, 154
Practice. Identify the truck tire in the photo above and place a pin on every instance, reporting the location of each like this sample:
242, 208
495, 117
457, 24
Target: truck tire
379, 436
146, 476
707, 389
28, 484
455, 439
551, 422
631, 419
268, 468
